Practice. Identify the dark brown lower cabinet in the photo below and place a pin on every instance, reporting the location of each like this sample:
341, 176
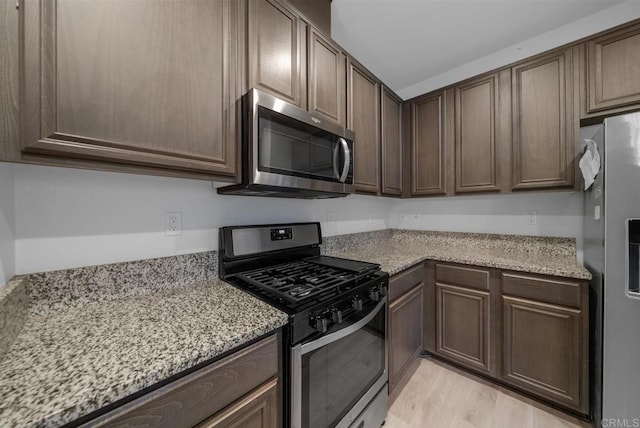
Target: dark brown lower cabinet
545, 330
240, 390
528, 331
463, 329
542, 347
256, 410
405, 327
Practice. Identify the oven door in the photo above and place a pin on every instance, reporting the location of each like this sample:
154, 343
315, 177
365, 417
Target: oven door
335, 376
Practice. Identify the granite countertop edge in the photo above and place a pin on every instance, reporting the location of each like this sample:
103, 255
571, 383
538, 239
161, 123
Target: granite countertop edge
394, 260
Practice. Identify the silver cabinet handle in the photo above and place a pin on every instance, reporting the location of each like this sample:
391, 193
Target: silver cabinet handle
330, 338
347, 159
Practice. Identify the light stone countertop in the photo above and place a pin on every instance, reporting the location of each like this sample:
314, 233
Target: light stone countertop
399, 250
68, 363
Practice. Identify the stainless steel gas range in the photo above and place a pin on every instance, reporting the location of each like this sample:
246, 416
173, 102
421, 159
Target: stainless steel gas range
335, 368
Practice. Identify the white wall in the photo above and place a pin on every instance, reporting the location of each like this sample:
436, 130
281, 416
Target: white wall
558, 214
600, 21
68, 218
7, 235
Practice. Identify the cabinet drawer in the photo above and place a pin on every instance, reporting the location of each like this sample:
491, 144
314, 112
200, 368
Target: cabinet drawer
566, 293
197, 396
405, 281
464, 276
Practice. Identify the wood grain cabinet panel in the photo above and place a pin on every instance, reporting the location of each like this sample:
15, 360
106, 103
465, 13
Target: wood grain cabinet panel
137, 82
543, 349
476, 144
391, 122
238, 389
363, 108
327, 73
428, 145
277, 50
463, 326
613, 66
405, 337
543, 122
256, 410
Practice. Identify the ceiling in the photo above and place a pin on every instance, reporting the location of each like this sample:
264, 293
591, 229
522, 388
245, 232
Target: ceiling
408, 41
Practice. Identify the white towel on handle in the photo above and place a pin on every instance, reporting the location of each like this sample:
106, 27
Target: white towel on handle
590, 163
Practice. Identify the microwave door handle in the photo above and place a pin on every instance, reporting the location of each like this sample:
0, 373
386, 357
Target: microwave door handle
336, 173
347, 159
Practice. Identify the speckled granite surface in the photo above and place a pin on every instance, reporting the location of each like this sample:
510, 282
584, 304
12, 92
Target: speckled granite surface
68, 363
77, 287
397, 250
14, 306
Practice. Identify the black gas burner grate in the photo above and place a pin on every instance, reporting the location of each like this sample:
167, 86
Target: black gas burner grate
298, 281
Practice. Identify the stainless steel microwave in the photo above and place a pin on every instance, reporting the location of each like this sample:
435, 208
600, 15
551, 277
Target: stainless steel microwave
289, 152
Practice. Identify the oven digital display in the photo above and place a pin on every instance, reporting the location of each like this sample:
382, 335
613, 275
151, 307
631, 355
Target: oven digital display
281, 234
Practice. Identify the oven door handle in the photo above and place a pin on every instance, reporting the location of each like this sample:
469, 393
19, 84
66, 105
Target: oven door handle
330, 338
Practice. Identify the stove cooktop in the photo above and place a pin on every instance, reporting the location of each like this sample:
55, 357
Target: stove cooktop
299, 281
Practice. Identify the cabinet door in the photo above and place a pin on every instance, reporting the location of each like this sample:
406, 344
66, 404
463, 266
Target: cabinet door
139, 82
257, 409
543, 349
391, 143
277, 51
327, 74
363, 105
543, 128
614, 69
463, 326
476, 135
405, 336
428, 145
234, 382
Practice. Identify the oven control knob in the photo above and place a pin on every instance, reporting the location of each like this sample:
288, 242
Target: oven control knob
374, 294
383, 290
336, 315
357, 304
320, 323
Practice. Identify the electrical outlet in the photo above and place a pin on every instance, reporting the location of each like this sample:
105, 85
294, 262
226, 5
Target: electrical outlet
173, 223
331, 216
371, 217
532, 218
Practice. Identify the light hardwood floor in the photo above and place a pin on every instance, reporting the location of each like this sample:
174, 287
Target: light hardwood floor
440, 396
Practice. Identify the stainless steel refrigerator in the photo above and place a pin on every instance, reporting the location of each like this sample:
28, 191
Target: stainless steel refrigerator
611, 243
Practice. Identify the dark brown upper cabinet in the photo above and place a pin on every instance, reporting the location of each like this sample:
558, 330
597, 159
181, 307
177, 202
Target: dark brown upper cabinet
544, 122
277, 50
363, 117
391, 121
327, 73
613, 69
429, 144
136, 83
476, 137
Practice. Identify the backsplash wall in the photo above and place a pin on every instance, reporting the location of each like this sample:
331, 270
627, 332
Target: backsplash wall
7, 227
65, 218
68, 218
557, 214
